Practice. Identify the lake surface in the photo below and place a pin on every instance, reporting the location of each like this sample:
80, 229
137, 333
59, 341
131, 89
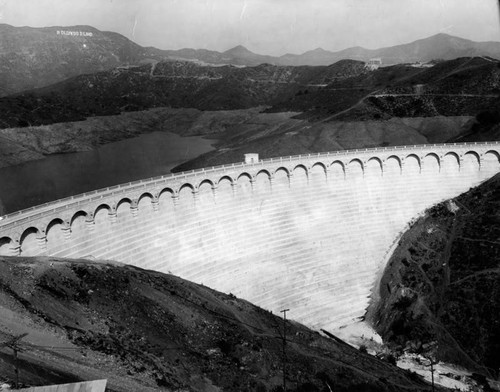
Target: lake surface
59, 176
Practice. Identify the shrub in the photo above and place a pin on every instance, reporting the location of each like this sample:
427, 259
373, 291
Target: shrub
402, 303
488, 117
391, 359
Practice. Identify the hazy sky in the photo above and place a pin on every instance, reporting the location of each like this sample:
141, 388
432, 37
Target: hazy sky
265, 26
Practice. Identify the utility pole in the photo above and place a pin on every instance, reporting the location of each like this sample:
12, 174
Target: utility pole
431, 357
432, 362
432, 373
15, 348
14, 345
284, 344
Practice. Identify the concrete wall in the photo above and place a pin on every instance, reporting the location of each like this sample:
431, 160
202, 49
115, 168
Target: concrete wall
309, 234
86, 386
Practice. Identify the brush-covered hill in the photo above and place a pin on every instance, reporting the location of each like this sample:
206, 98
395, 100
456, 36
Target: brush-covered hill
173, 84
145, 331
345, 90
291, 136
464, 86
442, 283
36, 57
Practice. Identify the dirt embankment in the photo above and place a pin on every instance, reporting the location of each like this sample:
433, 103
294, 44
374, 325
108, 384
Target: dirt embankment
20, 145
293, 136
146, 331
237, 132
441, 284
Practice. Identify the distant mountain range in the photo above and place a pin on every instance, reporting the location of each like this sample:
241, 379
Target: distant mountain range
36, 57
437, 47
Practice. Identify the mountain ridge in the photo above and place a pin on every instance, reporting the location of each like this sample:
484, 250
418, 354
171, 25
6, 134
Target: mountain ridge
36, 57
410, 52
344, 90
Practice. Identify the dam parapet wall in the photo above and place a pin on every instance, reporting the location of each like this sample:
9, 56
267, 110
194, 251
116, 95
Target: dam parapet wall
307, 232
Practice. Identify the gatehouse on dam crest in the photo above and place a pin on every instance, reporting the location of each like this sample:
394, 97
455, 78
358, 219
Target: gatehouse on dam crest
309, 232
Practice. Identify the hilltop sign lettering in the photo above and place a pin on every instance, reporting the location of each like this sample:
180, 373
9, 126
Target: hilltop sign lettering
75, 33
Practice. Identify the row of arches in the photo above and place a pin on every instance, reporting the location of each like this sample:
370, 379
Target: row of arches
347, 166
338, 169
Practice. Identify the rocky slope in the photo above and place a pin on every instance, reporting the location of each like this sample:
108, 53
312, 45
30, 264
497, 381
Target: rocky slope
19, 145
143, 330
294, 136
442, 283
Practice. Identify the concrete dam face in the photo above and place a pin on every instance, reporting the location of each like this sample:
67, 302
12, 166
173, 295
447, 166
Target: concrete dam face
309, 233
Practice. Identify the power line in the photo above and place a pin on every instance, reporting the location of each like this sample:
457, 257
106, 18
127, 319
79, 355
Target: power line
14, 345
266, 332
284, 347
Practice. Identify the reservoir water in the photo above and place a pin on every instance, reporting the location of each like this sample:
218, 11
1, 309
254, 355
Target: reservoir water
59, 176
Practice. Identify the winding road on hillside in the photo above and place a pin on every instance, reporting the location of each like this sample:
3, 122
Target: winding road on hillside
434, 95
349, 108
378, 94
383, 95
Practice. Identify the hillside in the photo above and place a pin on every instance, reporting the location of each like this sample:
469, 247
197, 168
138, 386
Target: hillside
143, 330
464, 86
173, 84
293, 136
235, 132
36, 57
345, 90
441, 284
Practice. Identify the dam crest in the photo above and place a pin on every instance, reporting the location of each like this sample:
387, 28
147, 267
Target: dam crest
309, 232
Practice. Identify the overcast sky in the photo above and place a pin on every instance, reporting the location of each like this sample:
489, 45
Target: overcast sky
271, 27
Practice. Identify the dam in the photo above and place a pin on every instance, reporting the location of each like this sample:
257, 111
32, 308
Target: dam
310, 233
